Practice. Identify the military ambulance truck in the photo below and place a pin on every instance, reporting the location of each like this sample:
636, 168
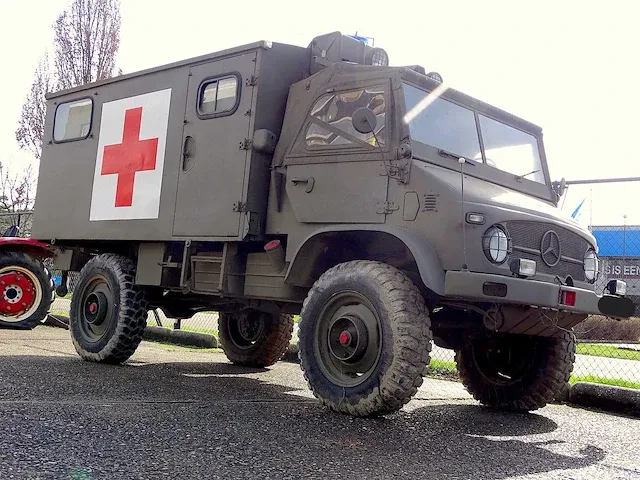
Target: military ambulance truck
271, 180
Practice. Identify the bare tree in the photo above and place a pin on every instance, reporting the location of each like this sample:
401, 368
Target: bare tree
16, 190
31, 126
86, 42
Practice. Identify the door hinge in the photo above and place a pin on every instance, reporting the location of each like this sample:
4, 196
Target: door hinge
387, 207
251, 81
398, 170
245, 144
239, 207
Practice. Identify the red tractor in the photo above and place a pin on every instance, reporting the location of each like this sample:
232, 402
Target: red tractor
26, 287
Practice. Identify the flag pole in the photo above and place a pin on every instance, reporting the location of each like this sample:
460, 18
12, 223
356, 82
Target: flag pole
590, 209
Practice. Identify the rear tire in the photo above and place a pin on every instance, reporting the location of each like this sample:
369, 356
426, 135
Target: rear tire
108, 310
254, 338
516, 372
365, 339
28, 292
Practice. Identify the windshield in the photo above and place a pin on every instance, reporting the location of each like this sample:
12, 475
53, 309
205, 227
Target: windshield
450, 127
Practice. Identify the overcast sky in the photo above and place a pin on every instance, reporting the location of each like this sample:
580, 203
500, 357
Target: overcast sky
570, 67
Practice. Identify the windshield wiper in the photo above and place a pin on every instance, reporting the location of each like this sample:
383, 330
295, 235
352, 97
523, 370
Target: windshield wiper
444, 153
520, 177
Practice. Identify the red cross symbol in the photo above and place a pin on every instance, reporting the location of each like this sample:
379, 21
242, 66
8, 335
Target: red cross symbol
131, 156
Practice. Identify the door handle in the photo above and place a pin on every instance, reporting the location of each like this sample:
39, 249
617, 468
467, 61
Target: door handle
187, 147
309, 181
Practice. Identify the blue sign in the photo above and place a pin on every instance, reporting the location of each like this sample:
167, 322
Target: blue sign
617, 241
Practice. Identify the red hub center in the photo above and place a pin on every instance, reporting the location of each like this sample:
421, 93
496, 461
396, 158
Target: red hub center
18, 293
345, 338
93, 307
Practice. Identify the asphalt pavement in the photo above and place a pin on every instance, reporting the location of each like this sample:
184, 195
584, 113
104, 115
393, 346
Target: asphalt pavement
172, 413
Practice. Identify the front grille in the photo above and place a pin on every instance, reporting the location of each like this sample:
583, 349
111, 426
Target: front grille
526, 238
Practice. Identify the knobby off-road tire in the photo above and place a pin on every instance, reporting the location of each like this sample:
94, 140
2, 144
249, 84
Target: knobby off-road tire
253, 338
365, 339
108, 311
539, 368
27, 293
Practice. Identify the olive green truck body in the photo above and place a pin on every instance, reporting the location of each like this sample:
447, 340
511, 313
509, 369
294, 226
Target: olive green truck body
234, 181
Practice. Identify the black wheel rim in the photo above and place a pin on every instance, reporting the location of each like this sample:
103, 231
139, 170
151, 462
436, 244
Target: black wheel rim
245, 329
95, 315
504, 360
347, 339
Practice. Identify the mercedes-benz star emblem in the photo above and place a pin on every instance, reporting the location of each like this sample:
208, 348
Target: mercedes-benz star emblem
550, 248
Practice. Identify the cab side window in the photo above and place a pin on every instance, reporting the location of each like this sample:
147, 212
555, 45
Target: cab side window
72, 120
331, 114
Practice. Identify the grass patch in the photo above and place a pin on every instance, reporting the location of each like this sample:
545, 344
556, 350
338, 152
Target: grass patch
443, 369
617, 382
210, 331
609, 351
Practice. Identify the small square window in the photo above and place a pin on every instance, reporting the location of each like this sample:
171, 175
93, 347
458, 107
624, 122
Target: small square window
218, 96
73, 120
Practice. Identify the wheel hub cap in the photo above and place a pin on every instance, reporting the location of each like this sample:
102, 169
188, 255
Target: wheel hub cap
17, 292
348, 338
96, 308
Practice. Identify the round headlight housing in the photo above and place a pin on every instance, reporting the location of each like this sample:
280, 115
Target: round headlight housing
495, 244
590, 264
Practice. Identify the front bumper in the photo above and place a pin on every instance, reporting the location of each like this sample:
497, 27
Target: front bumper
501, 289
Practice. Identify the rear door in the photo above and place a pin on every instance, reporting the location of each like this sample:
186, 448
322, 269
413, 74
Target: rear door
213, 162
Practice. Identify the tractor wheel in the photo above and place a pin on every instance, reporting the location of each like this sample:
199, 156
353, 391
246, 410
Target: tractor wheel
26, 291
365, 338
254, 338
108, 310
516, 372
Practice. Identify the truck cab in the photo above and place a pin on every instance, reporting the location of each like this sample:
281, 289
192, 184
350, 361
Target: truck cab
386, 209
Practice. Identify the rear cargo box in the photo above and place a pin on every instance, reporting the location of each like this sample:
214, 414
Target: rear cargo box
166, 153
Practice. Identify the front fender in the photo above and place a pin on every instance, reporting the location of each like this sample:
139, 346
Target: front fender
427, 261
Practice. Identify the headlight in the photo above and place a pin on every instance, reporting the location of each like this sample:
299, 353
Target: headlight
590, 265
495, 244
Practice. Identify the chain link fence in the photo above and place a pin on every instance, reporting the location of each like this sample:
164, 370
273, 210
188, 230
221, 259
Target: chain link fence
608, 351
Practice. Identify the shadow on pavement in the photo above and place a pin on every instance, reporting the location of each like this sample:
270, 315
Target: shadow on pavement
212, 420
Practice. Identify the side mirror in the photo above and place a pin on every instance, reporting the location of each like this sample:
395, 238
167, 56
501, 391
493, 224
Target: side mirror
364, 120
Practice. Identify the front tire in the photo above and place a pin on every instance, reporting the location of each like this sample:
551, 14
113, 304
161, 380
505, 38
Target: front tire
26, 291
365, 338
516, 372
253, 338
108, 312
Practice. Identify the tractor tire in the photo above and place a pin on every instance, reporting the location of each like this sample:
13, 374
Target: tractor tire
26, 291
108, 310
365, 339
516, 372
253, 338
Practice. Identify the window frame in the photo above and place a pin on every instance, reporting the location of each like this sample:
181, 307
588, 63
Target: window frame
474, 115
537, 143
74, 139
358, 146
477, 169
217, 78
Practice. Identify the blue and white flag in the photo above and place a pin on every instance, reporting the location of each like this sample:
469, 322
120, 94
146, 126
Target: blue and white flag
580, 214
